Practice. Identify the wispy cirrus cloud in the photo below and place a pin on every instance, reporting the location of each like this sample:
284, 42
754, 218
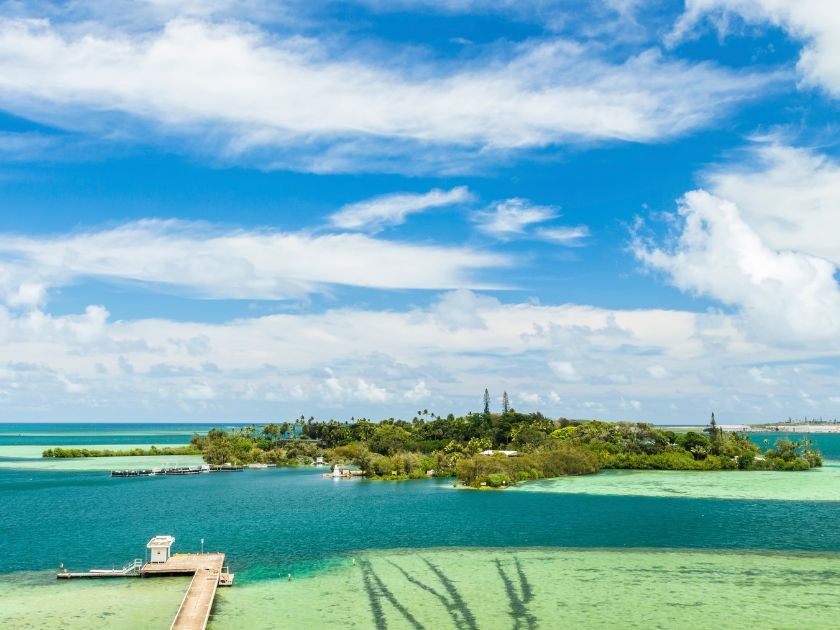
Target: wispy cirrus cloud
511, 217
372, 215
571, 236
515, 218
240, 93
206, 261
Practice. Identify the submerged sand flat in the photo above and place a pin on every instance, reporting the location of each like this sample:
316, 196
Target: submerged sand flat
28, 457
820, 484
82, 464
38, 600
34, 451
470, 588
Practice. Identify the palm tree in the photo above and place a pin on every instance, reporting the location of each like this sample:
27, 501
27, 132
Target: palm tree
271, 431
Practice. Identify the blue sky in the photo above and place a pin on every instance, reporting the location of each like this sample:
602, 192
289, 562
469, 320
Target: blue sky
622, 209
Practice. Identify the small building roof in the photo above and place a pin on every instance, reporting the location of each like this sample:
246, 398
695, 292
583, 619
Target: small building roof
490, 451
160, 541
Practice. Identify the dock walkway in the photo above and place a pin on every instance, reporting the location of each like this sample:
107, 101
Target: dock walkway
206, 569
195, 607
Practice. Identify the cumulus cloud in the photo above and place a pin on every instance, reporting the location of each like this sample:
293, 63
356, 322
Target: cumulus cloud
240, 93
565, 370
374, 214
288, 364
418, 393
204, 261
814, 22
791, 297
790, 196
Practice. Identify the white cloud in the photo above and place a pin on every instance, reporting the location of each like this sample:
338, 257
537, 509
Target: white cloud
418, 393
631, 404
239, 93
199, 391
322, 363
374, 214
758, 376
203, 261
512, 217
516, 218
814, 22
788, 296
564, 370
69, 386
571, 236
789, 196
657, 371
459, 309
529, 398
370, 392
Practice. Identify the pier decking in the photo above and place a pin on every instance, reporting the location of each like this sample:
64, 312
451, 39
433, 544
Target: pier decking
184, 563
207, 570
198, 600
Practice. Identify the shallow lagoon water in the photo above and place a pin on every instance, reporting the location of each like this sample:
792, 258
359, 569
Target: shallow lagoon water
469, 588
20, 457
38, 600
821, 484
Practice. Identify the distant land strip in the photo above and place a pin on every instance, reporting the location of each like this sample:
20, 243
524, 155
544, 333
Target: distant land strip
69, 453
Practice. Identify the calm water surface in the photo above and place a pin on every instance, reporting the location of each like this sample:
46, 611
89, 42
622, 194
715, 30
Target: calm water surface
276, 520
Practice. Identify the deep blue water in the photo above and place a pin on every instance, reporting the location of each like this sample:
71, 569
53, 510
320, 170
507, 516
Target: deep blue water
269, 521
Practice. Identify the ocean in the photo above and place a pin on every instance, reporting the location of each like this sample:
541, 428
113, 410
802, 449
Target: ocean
422, 546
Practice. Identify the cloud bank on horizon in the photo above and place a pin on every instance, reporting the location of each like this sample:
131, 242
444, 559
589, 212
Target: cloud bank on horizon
220, 210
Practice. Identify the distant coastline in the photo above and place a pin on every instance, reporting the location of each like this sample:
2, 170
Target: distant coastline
781, 427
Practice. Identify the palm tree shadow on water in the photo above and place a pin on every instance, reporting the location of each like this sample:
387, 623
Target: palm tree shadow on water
449, 596
518, 601
376, 588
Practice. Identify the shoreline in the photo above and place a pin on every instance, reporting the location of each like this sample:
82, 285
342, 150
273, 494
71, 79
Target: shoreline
752, 428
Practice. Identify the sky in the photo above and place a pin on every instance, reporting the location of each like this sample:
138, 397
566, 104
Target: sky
249, 211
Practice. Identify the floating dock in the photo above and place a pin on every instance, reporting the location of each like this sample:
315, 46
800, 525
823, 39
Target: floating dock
207, 569
181, 470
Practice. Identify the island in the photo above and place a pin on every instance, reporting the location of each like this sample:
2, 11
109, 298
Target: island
496, 450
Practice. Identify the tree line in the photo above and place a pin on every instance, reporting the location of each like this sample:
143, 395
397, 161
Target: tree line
432, 445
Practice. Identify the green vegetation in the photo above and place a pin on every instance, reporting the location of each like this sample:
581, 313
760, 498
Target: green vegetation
69, 453
431, 445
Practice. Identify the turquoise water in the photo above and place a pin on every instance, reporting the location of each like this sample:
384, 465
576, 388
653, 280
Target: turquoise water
72, 434
274, 521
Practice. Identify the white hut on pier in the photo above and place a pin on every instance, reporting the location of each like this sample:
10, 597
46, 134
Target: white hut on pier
160, 547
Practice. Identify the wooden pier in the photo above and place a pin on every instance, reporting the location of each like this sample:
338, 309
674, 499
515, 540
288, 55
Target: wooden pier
194, 610
207, 570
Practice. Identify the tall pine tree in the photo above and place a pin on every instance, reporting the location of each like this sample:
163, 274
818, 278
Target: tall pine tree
505, 403
486, 402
